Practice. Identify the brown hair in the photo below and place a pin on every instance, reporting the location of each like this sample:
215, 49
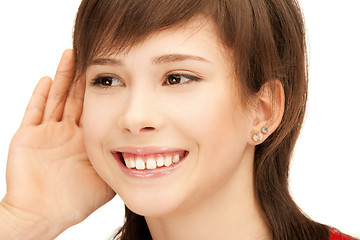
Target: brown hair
267, 41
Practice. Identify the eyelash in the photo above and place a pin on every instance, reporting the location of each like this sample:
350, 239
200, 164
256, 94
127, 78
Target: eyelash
98, 81
190, 78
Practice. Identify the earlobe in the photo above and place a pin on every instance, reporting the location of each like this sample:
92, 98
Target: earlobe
258, 136
268, 111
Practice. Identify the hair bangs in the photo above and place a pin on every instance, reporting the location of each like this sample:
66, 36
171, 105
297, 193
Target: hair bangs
109, 27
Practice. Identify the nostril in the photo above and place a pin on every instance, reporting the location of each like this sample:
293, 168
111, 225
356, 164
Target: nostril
147, 129
141, 130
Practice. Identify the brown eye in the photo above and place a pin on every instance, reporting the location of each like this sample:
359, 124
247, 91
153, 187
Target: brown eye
106, 81
174, 79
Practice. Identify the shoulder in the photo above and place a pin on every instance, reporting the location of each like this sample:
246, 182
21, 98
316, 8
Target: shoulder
336, 235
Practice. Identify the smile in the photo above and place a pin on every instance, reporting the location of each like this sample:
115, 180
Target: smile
150, 161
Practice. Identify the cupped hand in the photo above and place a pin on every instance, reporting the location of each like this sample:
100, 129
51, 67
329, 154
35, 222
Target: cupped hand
48, 172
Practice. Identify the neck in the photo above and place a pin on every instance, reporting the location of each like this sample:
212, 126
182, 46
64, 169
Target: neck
232, 212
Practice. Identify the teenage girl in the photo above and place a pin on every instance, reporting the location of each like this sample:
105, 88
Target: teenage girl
187, 109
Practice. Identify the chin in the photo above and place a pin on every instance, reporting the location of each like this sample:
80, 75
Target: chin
152, 207
153, 202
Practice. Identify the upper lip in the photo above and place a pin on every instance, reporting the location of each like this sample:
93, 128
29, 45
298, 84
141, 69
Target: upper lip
147, 150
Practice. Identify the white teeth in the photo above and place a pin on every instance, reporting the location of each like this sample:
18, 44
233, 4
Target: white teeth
150, 163
176, 159
168, 161
140, 164
130, 163
160, 162
127, 163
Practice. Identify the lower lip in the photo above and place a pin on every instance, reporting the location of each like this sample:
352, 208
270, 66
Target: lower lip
149, 173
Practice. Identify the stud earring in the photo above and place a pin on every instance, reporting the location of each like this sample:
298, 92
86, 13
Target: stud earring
258, 136
265, 130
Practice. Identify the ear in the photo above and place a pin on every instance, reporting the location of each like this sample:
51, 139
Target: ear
267, 111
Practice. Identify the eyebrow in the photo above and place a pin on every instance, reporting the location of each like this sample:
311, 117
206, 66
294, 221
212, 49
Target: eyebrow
177, 58
105, 61
168, 58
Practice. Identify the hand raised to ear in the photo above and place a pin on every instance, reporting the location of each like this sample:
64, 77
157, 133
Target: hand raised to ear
49, 177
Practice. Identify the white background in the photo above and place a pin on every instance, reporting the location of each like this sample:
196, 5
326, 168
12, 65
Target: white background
325, 173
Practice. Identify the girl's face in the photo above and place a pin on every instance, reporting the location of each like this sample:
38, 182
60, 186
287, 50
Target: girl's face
170, 109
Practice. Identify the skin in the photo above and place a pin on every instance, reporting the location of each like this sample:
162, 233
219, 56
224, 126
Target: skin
52, 185
205, 118
50, 179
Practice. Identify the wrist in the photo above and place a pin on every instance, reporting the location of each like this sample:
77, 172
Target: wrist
18, 224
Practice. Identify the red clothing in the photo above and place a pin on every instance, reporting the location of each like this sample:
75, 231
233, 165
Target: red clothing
335, 235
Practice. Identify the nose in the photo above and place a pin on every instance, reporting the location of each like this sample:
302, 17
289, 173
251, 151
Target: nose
139, 113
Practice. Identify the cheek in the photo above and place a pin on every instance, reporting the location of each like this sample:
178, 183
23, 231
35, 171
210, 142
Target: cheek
91, 120
210, 118
220, 127
97, 122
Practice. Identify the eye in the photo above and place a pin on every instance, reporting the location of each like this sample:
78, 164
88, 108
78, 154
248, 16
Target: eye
179, 79
106, 81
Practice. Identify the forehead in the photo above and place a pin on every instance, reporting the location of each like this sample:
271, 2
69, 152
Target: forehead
195, 40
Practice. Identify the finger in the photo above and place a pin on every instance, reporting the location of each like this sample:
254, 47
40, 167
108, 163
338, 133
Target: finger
60, 87
74, 103
35, 109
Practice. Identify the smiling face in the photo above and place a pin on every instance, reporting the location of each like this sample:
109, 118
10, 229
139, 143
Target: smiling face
169, 110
